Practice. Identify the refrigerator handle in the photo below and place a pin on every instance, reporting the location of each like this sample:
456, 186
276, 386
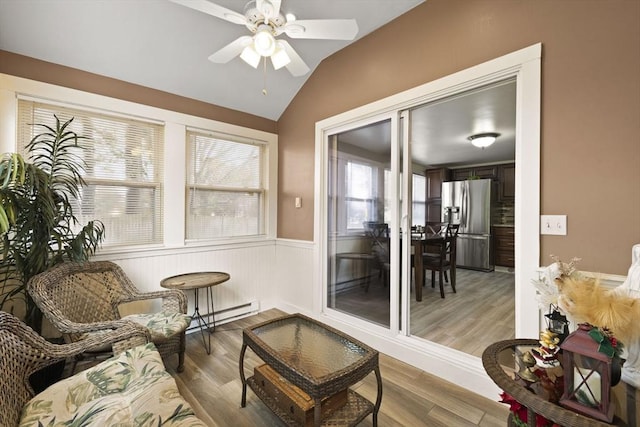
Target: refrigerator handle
463, 218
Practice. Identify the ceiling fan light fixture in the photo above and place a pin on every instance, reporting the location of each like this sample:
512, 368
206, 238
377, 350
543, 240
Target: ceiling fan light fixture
280, 58
483, 140
263, 42
250, 56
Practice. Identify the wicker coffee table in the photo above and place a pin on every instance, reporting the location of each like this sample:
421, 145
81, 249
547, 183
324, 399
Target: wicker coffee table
318, 359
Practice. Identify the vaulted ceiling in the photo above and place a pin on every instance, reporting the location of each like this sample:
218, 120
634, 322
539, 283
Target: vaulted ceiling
165, 46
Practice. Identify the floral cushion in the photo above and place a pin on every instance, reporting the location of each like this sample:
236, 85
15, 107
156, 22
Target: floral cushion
162, 324
132, 389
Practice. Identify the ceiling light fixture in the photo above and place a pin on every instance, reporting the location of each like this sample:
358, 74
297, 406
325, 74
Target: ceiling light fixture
263, 42
250, 56
483, 140
280, 58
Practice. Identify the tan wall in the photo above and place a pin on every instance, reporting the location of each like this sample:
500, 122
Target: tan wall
30, 68
590, 107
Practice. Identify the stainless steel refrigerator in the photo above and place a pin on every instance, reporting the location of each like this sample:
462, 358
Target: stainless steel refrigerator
468, 203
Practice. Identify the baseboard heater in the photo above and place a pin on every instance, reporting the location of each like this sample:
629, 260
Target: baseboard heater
226, 315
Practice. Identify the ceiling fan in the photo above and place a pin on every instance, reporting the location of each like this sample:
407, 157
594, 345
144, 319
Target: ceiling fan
265, 21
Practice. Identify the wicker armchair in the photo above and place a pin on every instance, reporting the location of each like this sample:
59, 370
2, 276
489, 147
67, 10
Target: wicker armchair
23, 352
82, 299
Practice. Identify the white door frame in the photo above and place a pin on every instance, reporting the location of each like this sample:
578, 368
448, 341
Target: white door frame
525, 66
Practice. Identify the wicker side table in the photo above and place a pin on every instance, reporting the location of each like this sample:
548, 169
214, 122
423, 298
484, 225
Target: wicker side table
506, 350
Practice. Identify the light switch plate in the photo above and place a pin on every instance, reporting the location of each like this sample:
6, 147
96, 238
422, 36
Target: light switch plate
553, 224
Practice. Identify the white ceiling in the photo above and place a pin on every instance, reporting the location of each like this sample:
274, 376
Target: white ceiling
165, 46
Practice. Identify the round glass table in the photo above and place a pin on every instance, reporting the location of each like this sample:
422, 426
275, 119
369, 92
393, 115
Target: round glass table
503, 363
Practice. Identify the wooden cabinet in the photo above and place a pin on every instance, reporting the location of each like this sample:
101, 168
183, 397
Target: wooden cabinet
504, 246
507, 179
435, 178
475, 172
434, 211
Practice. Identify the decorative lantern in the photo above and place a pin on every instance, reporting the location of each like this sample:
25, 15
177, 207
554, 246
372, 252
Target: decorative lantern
557, 322
588, 372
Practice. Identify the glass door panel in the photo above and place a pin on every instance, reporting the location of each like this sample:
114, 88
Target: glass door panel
359, 222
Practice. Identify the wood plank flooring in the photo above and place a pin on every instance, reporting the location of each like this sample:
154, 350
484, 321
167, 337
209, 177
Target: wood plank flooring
481, 312
411, 397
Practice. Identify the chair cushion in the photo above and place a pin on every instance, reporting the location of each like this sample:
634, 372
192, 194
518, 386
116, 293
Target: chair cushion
162, 324
132, 389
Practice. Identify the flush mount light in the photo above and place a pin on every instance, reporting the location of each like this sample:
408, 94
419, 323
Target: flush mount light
483, 140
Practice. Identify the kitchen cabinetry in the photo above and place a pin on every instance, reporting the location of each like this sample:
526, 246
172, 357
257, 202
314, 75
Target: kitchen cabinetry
504, 246
475, 172
507, 179
435, 178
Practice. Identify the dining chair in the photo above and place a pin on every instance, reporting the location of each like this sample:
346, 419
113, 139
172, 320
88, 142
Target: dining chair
434, 228
378, 233
444, 260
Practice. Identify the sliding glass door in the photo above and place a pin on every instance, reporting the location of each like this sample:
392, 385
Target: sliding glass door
365, 221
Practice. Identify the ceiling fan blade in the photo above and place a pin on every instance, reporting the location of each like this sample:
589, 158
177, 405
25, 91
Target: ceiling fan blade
231, 50
329, 29
269, 8
296, 67
214, 10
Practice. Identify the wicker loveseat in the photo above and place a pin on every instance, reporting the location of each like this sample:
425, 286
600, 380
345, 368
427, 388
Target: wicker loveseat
132, 388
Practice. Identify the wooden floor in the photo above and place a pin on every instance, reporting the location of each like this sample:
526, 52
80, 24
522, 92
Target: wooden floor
411, 397
481, 312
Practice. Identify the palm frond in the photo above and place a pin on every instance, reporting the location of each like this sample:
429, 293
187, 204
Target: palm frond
38, 228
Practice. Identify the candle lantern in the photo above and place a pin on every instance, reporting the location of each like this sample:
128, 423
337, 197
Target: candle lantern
588, 372
557, 322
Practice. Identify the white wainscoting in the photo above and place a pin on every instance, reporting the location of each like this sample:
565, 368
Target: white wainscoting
294, 276
250, 265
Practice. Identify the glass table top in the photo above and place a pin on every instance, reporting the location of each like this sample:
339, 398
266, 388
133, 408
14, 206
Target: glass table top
311, 347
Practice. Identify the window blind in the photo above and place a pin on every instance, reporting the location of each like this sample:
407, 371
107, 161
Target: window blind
123, 169
225, 192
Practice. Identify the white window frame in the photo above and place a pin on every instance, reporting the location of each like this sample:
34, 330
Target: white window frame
196, 187
92, 117
174, 152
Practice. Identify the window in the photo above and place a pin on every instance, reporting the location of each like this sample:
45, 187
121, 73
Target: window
419, 216
361, 191
123, 169
225, 191
419, 207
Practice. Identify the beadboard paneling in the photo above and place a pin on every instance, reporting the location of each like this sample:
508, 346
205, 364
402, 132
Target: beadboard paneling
251, 266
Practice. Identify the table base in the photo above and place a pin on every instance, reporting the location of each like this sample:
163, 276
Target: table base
202, 323
353, 412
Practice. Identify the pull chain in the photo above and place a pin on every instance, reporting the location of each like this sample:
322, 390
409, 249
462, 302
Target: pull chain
264, 86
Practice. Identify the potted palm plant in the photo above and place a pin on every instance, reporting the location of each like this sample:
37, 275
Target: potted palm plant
38, 228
